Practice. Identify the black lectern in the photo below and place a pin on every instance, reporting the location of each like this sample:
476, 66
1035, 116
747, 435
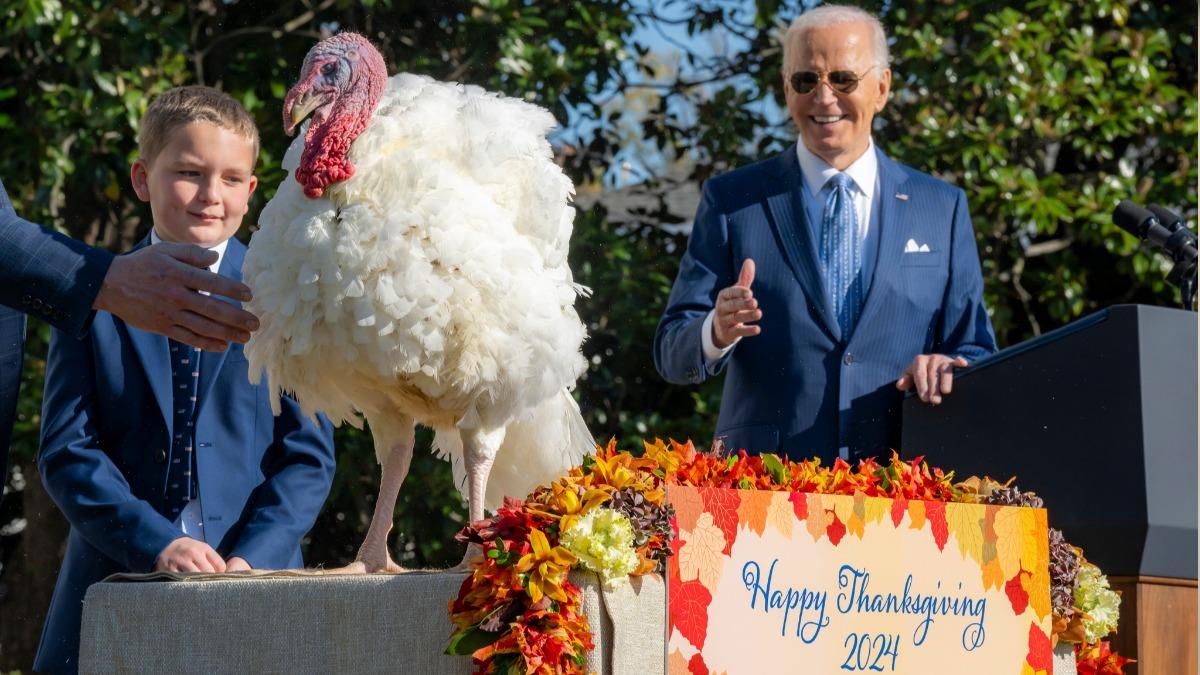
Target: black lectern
1099, 418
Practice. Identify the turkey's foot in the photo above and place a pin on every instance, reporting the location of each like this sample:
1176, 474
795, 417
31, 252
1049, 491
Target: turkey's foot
373, 556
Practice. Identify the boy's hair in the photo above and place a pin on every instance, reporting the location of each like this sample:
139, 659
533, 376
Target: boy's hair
180, 106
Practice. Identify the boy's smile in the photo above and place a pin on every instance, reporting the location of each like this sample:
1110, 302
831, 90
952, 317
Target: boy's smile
199, 185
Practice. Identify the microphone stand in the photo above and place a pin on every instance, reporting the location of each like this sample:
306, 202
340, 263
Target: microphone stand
1183, 275
1183, 272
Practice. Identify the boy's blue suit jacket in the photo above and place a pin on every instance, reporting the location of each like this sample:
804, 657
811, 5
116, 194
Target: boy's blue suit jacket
106, 430
800, 387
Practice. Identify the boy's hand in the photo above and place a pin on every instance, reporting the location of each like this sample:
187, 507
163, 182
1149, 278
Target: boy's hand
189, 555
154, 289
237, 564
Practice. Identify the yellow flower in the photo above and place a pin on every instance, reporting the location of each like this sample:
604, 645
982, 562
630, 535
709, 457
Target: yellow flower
547, 568
565, 503
615, 471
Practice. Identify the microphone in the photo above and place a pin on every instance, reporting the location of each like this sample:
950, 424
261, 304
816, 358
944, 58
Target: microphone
1179, 244
1170, 220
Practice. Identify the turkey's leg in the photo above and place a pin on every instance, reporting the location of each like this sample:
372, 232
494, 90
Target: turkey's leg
479, 453
373, 556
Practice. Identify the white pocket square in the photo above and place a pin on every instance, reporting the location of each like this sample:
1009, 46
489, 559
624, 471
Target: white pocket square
912, 247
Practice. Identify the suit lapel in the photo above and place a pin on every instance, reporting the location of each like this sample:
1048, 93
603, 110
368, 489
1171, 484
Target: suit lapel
790, 219
894, 214
211, 362
155, 356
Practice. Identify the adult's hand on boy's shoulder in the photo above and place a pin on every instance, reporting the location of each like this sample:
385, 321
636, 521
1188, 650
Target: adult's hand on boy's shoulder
154, 289
189, 555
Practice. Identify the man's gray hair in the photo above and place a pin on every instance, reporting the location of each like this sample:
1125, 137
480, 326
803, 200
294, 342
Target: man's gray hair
830, 15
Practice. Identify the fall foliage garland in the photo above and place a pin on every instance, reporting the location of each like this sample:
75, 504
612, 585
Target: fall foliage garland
517, 612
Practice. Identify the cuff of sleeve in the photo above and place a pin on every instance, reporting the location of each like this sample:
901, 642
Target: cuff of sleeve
144, 553
254, 553
712, 353
89, 278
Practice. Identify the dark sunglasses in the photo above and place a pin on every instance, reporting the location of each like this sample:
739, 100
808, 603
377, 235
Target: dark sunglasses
843, 81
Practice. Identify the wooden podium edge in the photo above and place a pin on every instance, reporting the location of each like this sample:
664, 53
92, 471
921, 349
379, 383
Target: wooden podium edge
1157, 624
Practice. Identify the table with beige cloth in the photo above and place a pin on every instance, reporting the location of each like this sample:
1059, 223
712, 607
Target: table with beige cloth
298, 622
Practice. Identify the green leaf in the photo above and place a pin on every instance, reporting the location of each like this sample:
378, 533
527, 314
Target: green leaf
775, 467
466, 642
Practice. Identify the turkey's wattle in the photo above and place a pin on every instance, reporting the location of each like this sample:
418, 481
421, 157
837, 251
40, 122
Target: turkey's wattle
341, 83
423, 279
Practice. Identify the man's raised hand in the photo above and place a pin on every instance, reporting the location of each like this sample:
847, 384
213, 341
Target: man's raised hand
736, 308
155, 289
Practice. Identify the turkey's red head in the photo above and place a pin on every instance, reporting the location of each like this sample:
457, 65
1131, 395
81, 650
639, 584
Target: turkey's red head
340, 84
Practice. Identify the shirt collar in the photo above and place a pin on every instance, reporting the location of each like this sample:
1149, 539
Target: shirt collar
219, 249
817, 172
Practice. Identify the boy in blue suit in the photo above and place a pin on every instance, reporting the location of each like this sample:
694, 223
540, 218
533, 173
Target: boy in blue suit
164, 458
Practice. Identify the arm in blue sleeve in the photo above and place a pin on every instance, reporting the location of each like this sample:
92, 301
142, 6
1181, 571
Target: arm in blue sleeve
964, 328
47, 274
299, 476
82, 479
705, 269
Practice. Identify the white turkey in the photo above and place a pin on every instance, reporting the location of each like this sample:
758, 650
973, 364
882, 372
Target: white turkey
413, 269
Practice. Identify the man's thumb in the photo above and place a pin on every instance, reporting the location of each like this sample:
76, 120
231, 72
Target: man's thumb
187, 253
747, 275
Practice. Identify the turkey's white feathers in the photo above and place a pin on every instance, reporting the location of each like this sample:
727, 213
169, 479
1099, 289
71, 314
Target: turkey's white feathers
433, 284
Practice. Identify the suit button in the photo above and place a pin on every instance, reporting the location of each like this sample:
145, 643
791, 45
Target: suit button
848, 358
162, 456
26, 299
693, 374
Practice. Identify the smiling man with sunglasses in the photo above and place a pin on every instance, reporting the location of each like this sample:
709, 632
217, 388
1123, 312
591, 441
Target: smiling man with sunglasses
829, 279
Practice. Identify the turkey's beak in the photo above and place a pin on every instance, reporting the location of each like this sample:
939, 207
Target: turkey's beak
297, 108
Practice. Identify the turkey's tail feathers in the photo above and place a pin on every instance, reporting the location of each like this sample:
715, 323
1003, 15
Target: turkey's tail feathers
536, 450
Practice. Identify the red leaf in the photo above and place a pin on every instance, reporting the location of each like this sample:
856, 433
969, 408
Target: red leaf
1017, 594
899, 508
799, 504
935, 513
673, 561
688, 607
696, 666
1041, 655
1099, 659
836, 529
723, 505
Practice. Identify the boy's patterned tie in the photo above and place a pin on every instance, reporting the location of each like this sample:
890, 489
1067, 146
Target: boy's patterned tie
841, 253
185, 378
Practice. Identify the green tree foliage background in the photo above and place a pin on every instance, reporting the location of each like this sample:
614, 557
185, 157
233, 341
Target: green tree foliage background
1046, 112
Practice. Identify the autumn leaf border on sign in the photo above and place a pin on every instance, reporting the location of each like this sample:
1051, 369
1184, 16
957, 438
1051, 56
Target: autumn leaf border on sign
687, 602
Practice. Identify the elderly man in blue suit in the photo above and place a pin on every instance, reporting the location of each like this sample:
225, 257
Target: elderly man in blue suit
828, 279
63, 281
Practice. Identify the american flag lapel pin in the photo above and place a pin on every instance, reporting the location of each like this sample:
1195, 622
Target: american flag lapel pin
901, 196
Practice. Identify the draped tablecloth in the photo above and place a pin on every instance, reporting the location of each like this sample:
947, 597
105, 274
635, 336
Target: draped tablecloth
307, 622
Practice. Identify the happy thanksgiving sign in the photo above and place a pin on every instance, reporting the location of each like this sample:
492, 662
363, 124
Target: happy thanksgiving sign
771, 582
